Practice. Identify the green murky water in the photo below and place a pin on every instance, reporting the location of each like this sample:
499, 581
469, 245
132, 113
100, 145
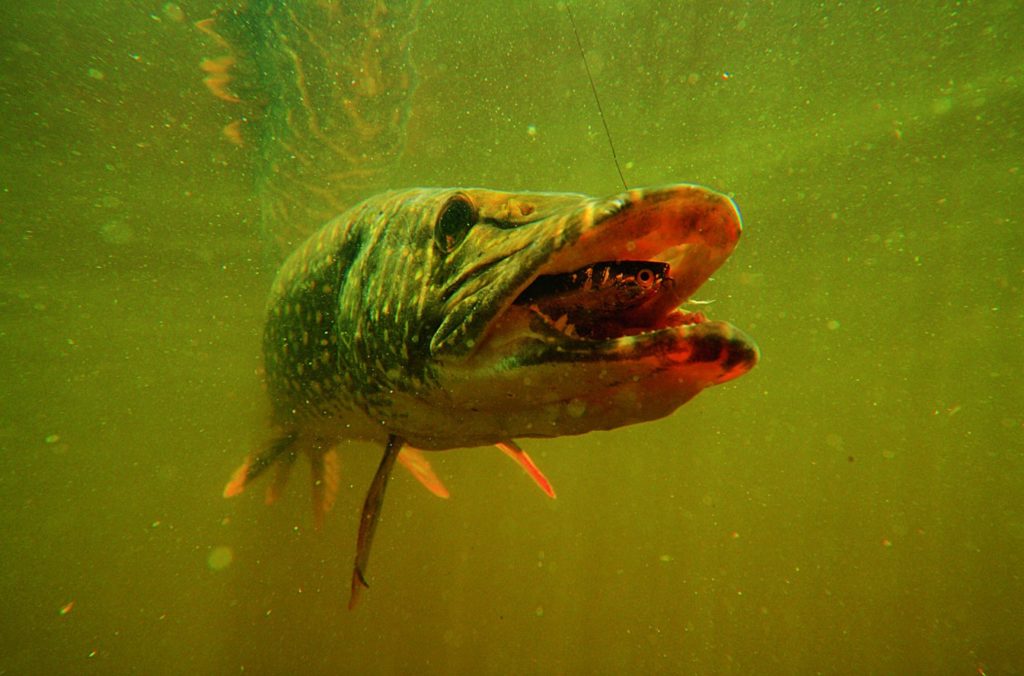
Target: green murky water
853, 505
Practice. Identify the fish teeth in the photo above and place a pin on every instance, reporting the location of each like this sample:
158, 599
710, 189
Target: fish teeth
561, 324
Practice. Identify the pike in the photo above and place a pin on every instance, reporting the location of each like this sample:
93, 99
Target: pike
431, 319
452, 318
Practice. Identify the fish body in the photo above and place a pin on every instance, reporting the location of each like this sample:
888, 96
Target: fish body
448, 318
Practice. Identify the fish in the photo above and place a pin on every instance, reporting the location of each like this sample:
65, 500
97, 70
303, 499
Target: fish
429, 319
448, 318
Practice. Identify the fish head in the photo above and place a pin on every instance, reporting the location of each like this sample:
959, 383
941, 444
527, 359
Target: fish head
547, 314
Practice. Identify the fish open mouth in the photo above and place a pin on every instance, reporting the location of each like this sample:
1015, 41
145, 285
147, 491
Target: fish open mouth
607, 299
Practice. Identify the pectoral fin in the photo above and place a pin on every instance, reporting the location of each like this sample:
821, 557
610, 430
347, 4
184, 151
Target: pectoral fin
416, 462
512, 450
325, 475
282, 471
258, 463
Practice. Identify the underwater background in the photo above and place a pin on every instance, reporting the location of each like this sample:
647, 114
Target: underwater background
852, 505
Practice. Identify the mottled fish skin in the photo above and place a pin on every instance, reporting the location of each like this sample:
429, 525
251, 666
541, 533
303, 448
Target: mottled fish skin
372, 329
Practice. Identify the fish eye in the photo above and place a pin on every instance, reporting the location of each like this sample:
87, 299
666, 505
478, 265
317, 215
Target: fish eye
645, 277
454, 222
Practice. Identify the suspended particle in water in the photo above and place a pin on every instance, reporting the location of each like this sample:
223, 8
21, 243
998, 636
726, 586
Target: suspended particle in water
117, 232
174, 12
220, 558
943, 105
233, 132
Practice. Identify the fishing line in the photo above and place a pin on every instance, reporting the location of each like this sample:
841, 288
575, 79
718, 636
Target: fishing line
593, 88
